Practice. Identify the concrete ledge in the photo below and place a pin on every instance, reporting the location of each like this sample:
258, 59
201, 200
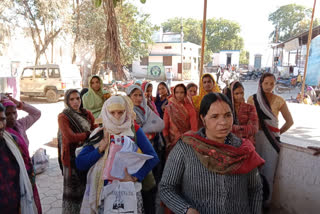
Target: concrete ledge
297, 181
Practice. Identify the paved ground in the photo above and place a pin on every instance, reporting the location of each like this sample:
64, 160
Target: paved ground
304, 132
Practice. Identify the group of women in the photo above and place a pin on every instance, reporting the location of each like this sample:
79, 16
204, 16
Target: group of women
210, 153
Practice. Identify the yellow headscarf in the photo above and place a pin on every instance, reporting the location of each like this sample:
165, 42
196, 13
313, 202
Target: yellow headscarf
197, 99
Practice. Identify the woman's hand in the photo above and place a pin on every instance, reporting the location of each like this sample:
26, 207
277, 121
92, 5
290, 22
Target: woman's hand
128, 177
18, 104
192, 211
104, 143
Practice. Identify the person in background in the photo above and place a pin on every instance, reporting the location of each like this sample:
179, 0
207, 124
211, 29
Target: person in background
95, 97
179, 117
218, 73
245, 121
118, 119
16, 191
75, 125
212, 170
18, 129
138, 83
192, 90
207, 85
148, 121
147, 88
268, 106
318, 102
169, 77
162, 98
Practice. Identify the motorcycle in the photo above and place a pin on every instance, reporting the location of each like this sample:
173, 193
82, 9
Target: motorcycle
287, 84
250, 75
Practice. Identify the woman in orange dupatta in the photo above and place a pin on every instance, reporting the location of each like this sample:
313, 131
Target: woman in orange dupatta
179, 117
207, 85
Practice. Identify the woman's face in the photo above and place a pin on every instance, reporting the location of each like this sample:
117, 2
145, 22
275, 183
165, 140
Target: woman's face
268, 84
75, 101
95, 84
136, 97
162, 90
192, 91
179, 94
207, 84
238, 95
117, 113
218, 121
148, 93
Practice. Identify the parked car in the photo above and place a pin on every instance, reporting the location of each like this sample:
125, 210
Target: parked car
49, 80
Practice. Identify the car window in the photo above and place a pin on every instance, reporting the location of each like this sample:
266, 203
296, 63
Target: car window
27, 73
54, 73
40, 73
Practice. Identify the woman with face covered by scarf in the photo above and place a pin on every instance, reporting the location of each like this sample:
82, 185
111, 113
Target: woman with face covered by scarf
75, 124
147, 88
161, 101
179, 117
151, 124
118, 119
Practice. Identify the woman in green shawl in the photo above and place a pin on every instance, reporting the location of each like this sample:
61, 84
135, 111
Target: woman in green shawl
93, 100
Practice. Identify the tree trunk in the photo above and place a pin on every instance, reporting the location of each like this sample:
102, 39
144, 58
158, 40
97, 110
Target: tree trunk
76, 10
100, 55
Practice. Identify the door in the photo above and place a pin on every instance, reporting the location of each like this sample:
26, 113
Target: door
228, 59
26, 80
40, 80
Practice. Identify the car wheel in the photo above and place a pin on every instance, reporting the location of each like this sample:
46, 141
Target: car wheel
52, 96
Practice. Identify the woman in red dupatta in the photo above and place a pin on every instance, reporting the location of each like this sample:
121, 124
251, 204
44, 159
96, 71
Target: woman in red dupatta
179, 117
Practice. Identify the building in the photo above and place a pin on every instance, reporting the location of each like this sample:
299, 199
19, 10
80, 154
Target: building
226, 57
168, 53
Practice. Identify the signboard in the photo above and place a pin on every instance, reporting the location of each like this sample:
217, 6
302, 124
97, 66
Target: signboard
313, 72
156, 71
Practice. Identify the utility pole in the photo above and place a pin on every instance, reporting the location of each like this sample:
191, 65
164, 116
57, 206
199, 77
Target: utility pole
308, 49
203, 37
181, 29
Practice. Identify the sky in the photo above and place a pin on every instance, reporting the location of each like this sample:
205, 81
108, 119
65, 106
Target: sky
252, 15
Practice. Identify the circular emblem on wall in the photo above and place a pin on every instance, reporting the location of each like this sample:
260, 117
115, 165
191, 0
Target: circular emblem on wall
155, 71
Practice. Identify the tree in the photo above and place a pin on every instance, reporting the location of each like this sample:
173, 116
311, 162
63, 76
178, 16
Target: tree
290, 20
244, 57
221, 34
134, 29
45, 20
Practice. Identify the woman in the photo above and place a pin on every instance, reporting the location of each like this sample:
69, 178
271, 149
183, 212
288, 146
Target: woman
93, 100
207, 85
179, 117
151, 124
118, 119
192, 89
268, 106
147, 88
212, 170
18, 129
245, 121
75, 124
162, 98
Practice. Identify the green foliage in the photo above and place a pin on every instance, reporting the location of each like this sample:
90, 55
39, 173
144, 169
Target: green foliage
244, 57
290, 20
221, 34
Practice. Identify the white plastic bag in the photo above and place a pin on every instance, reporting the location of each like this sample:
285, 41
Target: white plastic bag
40, 161
121, 197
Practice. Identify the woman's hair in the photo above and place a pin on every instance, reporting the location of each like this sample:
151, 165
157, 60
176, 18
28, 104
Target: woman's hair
265, 75
190, 85
82, 92
94, 77
181, 85
227, 91
212, 98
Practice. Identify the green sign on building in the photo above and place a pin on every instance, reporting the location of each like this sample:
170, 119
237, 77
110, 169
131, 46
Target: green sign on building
156, 71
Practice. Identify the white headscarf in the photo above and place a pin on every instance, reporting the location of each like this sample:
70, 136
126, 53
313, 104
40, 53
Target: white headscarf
124, 124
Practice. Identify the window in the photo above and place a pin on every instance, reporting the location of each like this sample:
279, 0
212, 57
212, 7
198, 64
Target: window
40, 73
27, 73
167, 60
54, 73
144, 61
167, 47
186, 66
